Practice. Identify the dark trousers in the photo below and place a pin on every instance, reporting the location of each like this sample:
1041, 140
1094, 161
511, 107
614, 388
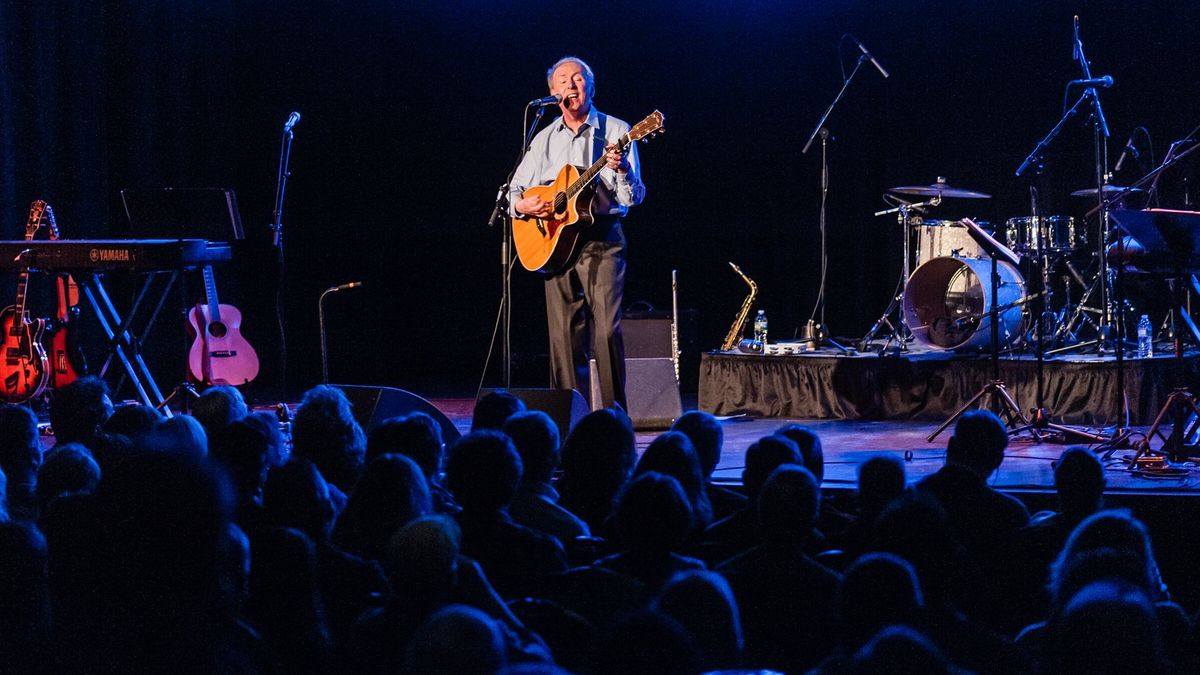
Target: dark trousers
583, 314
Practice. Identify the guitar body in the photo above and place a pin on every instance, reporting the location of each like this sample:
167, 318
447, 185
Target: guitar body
24, 368
551, 245
66, 358
219, 354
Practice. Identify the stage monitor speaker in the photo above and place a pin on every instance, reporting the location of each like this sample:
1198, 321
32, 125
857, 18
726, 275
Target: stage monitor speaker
564, 406
652, 393
647, 335
372, 405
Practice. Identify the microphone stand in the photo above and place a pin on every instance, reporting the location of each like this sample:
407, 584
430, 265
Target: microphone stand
500, 213
820, 336
321, 325
285, 156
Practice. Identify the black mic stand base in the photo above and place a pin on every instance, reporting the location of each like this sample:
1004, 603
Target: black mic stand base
184, 394
1008, 410
1045, 430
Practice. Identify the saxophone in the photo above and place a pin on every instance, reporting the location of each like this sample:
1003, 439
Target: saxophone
735, 331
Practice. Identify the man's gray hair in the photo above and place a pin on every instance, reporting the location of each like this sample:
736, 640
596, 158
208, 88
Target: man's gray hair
587, 72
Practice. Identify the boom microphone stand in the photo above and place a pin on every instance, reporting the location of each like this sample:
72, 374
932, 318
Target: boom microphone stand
820, 337
500, 213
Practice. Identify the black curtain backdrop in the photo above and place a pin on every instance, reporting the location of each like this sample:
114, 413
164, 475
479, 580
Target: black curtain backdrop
412, 117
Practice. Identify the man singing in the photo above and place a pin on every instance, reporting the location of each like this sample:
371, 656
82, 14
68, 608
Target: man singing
584, 302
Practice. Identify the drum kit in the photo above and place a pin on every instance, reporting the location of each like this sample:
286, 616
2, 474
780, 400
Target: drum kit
944, 295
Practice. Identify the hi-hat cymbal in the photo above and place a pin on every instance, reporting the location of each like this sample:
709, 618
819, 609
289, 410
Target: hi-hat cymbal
939, 189
1108, 190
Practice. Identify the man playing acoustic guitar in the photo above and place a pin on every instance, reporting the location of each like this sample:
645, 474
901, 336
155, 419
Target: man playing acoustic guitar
584, 300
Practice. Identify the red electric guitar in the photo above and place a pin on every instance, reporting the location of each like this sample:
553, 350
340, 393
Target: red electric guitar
24, 370
66, 358
220, 355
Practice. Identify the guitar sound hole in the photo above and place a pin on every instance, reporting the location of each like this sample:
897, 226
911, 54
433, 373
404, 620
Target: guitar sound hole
217, 329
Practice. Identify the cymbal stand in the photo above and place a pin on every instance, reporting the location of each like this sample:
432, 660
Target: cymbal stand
1007, 407
900, 332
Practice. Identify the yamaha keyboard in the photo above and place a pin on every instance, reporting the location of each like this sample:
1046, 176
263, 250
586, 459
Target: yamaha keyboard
144, 255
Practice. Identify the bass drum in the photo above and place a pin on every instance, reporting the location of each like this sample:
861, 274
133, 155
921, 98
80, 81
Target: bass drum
948, 301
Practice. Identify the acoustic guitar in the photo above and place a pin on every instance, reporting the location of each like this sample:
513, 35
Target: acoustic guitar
219, 354
66, 358
24, 370
550, 245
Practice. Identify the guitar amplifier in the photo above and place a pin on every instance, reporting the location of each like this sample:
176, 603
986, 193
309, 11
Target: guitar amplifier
647, 335
652, 393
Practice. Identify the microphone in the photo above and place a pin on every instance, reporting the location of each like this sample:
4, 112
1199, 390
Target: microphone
291, 122
553, 99
1129, 149
344, 287
1104, 82
870, 57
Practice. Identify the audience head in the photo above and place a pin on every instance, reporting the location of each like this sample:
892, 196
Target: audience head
422, 556
296, 495
787, 506
79, 410
483, 471
703, 603
132, 420
902, 651
68, 469
493, 408
880, 480
706, 435
1107, 627
324, 432
24, 588
456, 640
1114, 529
1069, 576
416, 436
671, 454
20, 449
597, 458
1079, 480
877, 590
268, 425
653, 515
916, 528
535, 437
647, 642
391, 492
809, 444
241, 448
180, 434
764, 456
285, 599
978, 442
218, 407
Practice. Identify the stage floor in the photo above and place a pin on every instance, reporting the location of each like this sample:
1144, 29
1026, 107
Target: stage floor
1028, 466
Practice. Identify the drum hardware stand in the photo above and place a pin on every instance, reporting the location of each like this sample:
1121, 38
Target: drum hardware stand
899, 331
821, 338
1009, 410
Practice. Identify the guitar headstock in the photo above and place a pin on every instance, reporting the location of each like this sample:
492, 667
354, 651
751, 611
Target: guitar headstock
647, 128
37, 211
51, 223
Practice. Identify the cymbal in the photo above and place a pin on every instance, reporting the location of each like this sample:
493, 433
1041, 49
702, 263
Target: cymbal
939, 189
1108, 190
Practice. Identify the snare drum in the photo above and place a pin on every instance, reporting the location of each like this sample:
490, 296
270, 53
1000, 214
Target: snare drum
1058, 234
945, 238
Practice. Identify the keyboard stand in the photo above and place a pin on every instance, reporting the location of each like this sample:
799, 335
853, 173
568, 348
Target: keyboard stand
124, 343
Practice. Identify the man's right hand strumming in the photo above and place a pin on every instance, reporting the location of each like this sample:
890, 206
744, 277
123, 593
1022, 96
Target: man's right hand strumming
535, 206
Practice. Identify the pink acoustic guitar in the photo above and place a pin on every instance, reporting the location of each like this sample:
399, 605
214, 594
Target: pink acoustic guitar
219, 354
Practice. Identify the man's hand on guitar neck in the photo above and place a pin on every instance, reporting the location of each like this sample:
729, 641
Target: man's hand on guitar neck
617, 160
535, 206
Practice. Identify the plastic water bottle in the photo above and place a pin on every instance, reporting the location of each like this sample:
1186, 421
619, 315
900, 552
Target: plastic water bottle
1145, 338
760, 328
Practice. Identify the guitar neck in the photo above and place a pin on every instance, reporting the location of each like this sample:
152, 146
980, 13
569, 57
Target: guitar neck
22, 284
210, 295
591, 172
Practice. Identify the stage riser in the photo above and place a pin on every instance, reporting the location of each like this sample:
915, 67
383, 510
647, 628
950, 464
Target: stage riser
930, 388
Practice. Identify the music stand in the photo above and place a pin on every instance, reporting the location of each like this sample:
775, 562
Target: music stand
1172, 243
1009, 410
